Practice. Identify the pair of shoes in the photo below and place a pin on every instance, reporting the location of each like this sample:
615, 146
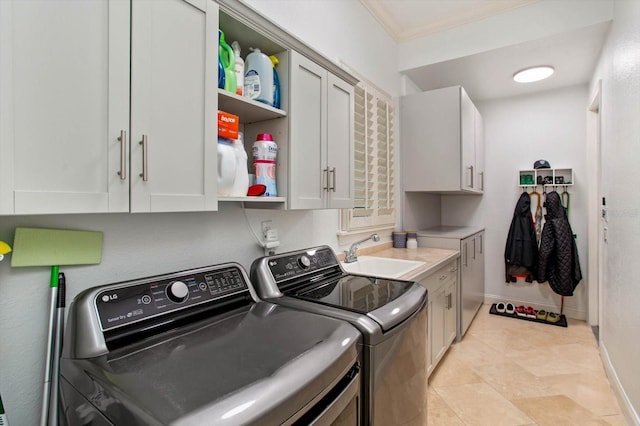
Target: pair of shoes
553, 317
542, 315
505, 307
531, 313
521, 311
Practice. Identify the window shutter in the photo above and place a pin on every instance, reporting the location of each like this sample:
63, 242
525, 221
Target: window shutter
373, 161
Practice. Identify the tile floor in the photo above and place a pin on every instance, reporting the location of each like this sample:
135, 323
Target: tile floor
508, 371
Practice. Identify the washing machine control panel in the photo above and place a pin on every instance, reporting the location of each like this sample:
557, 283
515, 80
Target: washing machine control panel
293, 265
120, 305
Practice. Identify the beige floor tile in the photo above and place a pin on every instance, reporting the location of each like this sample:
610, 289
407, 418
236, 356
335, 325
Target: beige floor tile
557, 410
439, 413
474, 351
618, 420
514, 382
589, 390
453, 371
480, 404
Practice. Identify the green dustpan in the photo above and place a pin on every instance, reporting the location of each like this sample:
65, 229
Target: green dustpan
54, 247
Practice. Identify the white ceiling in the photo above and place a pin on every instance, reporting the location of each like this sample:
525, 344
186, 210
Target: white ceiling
489, 74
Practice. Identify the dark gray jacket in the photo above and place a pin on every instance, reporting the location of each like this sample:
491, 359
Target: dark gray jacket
521, 249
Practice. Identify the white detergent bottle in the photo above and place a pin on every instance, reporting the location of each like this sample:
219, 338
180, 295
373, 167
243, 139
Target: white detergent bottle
241, 181
258, 77
239, 68
226, 166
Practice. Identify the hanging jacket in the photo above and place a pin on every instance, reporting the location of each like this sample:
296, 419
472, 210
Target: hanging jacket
558, 260
521, 250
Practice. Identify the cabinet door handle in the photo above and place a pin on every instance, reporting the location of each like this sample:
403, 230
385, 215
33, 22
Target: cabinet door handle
465, 253
481, 236
450, 297
482, 181
471, 176
123, 155
145, 173
325, 175
474, 248
333, 179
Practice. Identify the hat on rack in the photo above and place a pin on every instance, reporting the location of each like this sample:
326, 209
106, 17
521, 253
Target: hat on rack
541, 164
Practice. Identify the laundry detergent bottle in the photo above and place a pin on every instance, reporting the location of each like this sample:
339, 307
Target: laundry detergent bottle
239, 68
258, 77
226, 166
241, 181
225, 53
276, 82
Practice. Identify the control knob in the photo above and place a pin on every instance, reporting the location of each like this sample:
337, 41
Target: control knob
304, 262
177, 291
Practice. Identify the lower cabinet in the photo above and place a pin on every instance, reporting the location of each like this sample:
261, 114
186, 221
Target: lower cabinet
442, 311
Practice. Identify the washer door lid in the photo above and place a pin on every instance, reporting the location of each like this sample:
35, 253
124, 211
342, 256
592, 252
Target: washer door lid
401, 308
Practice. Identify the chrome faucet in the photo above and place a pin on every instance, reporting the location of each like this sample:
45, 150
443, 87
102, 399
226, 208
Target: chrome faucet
350, 256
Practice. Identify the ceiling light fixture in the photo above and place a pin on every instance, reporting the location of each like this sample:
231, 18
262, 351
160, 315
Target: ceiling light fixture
529, 75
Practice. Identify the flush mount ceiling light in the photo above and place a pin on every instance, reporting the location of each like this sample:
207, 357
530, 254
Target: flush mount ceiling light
529, 75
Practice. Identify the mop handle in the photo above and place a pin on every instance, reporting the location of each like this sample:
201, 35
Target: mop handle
46, 391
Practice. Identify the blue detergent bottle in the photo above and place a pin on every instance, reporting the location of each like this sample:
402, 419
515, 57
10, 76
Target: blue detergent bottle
276, 83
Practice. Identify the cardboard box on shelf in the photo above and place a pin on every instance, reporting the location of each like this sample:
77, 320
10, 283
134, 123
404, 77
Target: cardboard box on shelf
228, 125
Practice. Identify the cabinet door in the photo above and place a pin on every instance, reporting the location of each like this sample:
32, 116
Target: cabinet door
340, 143
308, 173
468, 180
450, 312
437, 329
430, 127
479, 122
174, 105
429, 336
64, 79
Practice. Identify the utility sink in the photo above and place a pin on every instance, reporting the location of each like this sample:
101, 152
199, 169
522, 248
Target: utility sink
381, 266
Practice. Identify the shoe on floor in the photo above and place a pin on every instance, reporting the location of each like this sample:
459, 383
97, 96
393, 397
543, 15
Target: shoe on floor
542, 315
509, 308
500, 307
553, 317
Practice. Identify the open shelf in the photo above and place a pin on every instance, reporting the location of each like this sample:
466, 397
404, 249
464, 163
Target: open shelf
248, 110
257, 202
559, 177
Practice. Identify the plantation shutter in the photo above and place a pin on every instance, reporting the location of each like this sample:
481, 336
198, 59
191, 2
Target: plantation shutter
373, 160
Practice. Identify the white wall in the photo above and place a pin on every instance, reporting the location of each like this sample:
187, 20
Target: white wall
519, 131
619, 68
144, 244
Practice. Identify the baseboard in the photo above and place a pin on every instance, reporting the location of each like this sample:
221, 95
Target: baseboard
569, 312
628, 411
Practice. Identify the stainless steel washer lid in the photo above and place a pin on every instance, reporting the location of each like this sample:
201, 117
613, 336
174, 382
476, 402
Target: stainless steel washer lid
388, 302
258, 364
314, 275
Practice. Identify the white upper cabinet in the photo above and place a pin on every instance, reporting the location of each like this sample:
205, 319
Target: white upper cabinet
442, 143
68, 72
174, 105
321, 137
64, 79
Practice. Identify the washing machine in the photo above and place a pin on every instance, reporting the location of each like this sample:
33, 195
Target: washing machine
390, 314
197, 347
